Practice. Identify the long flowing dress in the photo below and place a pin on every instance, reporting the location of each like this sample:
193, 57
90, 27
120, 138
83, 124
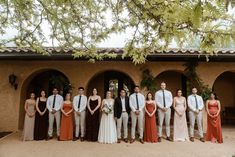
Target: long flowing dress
180, 123
66, 129
108, 130
92, 122
41, 122
150, 131
28, 131
214, 131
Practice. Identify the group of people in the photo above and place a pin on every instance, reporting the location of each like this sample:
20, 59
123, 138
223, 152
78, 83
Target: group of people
103, 120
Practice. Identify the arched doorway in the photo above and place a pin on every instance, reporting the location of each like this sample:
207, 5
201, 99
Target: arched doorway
224, 87
110, 80
42, 80
174, 80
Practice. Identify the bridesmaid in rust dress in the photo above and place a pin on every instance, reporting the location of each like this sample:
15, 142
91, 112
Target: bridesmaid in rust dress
28, 131
92, 119
150, 131
66, 129
214, 131
41, 118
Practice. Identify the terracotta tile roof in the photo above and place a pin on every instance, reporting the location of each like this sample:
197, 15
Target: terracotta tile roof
52, 50
60, 53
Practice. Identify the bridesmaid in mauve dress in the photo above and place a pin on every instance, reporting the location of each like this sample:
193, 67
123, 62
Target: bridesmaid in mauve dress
214, 131
41, 118
66, 129
150, 131
180, 122
92, 119
28, 131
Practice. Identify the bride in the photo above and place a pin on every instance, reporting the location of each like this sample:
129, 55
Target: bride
107, 131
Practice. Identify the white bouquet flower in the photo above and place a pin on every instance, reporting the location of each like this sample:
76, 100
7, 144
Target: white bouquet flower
107, 109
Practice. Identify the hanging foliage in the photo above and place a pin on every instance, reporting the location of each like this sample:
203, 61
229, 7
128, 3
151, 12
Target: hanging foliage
83, 24
148, 81
195, 81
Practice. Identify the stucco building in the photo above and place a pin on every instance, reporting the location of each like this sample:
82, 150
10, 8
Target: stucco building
35, 72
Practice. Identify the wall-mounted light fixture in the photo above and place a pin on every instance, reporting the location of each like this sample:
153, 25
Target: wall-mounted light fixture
12, 80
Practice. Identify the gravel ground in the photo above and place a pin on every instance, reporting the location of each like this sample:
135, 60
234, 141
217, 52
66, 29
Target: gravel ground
11, 146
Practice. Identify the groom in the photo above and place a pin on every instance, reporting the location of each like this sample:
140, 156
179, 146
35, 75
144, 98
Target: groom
121, 113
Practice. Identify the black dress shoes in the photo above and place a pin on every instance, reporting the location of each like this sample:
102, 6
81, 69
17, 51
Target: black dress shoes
132, 141
169, 139
192, 139
202, 139
75, 138
159, 139
49, 138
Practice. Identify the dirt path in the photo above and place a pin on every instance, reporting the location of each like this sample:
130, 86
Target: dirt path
11, 146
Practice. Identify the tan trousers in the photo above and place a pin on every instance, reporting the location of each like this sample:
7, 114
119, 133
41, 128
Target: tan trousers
123, 120
80, 123
161, 117
199, 117
137, 119
55, 116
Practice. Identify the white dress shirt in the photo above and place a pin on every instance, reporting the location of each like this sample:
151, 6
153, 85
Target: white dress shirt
58, 102
159, 98
192, 102
83, 103
123, 100
133, 103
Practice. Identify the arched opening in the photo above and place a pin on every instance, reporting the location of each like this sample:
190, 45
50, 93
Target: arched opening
42, 80
224, 87
110, 80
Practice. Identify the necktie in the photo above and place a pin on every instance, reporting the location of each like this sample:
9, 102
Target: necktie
79, 101
196, 102
137, 101
54, 101
164, 99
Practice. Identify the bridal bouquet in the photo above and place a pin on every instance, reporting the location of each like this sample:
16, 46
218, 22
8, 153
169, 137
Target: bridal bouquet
107, 109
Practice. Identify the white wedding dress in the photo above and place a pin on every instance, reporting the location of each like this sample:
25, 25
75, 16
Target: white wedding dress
107, 130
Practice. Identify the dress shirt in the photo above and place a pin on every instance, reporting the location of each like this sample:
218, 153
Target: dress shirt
159, 98
192, 102
133, 103
83, 103
123, 103
58, 102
